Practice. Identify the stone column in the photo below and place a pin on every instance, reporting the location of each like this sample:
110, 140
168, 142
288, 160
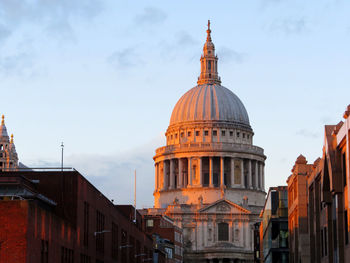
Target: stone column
242, 174
181, 175
172, 176
260, 175
189, 172
201, 171
156, 176
232, 172
256, 175
222, 167
249, 177
263, 176
211, 172
165, 168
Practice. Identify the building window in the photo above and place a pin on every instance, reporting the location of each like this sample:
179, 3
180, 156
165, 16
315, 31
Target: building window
115, 243
197, 133
243, 135
100, 226
171, 137
231, 133
175, 135
85, 259
149, 222
346, 227
223, 133
237, 134
215, 133
67, 255
206, 133
44, 251
223, 232
344, 168
189, 134
86, 225
169, 252
182, 134
247, 136
325, 241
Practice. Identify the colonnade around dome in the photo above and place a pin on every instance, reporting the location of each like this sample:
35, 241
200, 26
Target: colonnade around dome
209, 171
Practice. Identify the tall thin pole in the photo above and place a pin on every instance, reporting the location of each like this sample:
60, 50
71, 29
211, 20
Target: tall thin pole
62, 146
135, 199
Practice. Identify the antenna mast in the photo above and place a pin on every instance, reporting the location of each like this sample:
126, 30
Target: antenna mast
135, 199
62, 146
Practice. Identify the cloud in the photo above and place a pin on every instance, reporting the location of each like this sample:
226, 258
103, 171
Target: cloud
113, 174
184, 39
4, 33
289, 26
229, 55
45, 14
307, 134
150, 16
125, 58
16, 64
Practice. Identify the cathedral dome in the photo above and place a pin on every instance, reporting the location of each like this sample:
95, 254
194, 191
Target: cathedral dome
210, 102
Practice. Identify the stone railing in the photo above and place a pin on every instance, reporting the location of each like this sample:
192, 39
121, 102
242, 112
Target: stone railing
214, 146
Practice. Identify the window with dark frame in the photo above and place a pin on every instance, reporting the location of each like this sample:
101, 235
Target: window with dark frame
44, 251
215, 133
197, 133
344, 168
189, 134
206, 133
346, 227
223, 232
115, 243
86, 225
231, 133
223, 133
100, 226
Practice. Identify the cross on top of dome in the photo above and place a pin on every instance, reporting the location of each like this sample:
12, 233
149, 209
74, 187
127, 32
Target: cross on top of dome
209, 65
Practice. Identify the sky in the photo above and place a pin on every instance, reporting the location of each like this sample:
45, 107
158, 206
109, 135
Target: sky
104, 76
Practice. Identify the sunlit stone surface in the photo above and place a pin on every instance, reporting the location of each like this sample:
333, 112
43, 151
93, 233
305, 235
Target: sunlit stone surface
210, 177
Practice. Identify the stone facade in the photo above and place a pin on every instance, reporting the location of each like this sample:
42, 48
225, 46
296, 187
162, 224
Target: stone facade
210, 177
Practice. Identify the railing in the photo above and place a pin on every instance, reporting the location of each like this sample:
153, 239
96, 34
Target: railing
235, 147
46, 169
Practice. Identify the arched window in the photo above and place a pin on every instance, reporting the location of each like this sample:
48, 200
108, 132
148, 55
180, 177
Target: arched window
223, 232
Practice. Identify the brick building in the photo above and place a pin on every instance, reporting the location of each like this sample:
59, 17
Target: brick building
324, 185
168, 237
58, 216
299, 242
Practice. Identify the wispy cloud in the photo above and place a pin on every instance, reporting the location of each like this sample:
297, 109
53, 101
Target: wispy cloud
57, 14
229, 55
113, 174
125, 58
289, 26
150, 16
306, 133
16, 64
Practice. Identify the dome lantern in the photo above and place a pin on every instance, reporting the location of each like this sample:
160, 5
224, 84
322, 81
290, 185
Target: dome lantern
209, 63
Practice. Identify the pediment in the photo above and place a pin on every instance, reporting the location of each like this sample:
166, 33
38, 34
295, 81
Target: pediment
224, 206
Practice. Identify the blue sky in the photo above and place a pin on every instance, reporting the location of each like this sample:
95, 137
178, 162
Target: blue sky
103, 76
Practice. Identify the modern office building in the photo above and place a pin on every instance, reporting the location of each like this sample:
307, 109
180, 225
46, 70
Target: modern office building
274, 226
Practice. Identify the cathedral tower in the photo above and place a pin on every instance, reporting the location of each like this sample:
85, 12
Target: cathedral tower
8, 154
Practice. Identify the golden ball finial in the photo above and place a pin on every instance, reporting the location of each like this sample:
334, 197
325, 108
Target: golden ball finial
11, 138
3, 119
